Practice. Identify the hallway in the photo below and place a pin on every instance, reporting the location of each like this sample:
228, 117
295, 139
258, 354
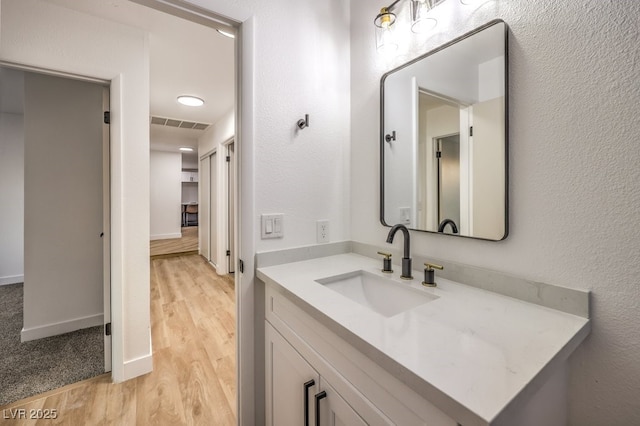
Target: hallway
193, 378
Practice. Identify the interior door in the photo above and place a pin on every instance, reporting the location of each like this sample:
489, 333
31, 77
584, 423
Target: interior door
203, 209
213, 213
64, 240
231, 190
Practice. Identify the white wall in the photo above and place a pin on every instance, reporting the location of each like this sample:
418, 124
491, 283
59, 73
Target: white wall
573, 176
11, 198
165, 194
43, 35
189, 192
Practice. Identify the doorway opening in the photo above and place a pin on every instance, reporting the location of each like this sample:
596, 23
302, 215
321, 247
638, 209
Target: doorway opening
448, 195
55, 285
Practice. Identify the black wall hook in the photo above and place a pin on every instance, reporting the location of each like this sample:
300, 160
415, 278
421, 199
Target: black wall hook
303, 123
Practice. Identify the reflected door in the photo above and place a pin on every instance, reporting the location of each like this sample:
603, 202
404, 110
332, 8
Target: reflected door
448, 154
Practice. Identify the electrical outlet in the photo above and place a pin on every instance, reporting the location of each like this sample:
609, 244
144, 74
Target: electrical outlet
322, 231
405, 215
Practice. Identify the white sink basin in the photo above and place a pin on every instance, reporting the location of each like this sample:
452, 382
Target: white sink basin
380, 294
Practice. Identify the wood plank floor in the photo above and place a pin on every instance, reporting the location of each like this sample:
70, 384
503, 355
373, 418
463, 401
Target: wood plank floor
193, 378
188, 243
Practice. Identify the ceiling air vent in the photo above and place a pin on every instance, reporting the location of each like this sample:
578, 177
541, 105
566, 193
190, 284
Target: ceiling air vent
172, 122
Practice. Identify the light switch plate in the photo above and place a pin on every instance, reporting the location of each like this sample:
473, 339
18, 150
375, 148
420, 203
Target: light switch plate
272, 225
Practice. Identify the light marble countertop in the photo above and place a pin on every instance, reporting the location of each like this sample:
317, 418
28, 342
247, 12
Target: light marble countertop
480, 350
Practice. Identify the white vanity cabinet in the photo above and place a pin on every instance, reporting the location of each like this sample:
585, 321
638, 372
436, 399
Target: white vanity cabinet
358, 391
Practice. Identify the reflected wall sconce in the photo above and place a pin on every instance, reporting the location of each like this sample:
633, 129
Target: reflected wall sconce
422, 21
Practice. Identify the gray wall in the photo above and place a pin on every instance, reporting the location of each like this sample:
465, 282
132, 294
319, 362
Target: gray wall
63, 205
574, 171
11, 176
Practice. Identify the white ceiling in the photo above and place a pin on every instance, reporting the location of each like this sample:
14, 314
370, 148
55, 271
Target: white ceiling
184, 58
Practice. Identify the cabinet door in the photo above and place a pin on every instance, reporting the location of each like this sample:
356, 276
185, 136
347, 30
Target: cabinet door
334, 411
286, 374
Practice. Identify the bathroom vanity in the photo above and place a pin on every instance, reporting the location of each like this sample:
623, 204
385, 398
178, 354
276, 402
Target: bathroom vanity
396, 352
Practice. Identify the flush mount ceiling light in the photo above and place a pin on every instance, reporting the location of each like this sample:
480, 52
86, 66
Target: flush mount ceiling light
226, 33
421, 22
190, 100
186, 149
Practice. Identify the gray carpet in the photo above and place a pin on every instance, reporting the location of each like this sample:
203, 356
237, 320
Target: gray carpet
30, 368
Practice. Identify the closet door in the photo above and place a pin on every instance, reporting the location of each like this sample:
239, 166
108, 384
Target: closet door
231, 199
213, 213
203, 209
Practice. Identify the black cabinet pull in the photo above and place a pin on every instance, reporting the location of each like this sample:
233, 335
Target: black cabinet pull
307, 385
319, 396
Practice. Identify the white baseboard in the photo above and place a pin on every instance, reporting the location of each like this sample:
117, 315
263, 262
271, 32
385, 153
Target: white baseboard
12, 279
138, 367
166, 236
47, 330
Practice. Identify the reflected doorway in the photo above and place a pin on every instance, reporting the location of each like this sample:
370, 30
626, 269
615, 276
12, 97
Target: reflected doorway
448, 157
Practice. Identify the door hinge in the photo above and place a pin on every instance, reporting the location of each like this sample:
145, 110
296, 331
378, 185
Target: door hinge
228, 252
241, 265
107, 329
228, 158
471, 131
438, 154
107, 117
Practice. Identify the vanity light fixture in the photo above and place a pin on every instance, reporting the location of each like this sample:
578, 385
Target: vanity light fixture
226, 33
385, 37
421, 22
189, 100
186, 149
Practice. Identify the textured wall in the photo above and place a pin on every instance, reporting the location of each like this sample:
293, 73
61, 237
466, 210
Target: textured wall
11, 198
574, 156
301, 67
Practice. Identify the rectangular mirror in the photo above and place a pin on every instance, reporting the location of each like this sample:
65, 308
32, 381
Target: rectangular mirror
444, 138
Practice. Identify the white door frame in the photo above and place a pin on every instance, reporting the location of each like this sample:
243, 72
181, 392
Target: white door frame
106, 229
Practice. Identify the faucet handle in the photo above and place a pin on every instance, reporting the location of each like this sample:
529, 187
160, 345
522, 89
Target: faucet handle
429, 274
386, 262
431, 266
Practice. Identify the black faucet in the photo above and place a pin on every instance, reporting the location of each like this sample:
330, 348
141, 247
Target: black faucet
406, 260
446, 222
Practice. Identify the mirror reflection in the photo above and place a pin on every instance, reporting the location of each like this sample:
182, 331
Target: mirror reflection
443, 138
